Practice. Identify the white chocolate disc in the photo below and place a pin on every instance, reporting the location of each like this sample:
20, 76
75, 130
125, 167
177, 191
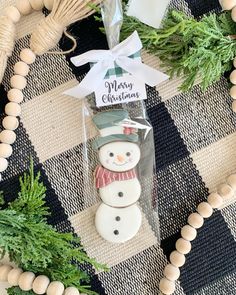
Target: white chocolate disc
119, 156
118, 225
121, 193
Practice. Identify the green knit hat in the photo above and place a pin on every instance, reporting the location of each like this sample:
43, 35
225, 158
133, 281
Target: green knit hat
110, 128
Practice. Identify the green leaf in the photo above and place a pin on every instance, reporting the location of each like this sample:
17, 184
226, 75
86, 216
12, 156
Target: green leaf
188, 47
35, 245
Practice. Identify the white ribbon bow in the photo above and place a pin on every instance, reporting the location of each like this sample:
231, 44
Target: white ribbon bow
105, 59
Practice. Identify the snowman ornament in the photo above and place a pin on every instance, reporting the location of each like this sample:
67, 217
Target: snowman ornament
118, 219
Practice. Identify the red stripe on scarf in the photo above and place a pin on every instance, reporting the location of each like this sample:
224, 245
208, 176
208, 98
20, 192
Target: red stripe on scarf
104, 177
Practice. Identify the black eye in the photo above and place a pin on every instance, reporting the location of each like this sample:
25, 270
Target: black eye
111, 155
128, 154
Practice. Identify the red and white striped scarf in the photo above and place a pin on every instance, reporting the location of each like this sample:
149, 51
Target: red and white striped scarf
103, 176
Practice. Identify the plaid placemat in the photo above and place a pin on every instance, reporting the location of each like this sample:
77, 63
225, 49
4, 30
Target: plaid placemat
195, 150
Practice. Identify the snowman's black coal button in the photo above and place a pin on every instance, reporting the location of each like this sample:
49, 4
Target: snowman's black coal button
117, 218
116, 232
120, 194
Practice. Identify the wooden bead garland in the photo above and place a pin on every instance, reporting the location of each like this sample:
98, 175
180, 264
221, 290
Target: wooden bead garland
195, 220
18, 82
48, 4
24, 7
177, 259
26, 280
37, 4
40, 285
13, 109
21, 68
15, 95
3, 164
10, 123
27, 56
228, 4
188, 233
13, 276
4, 271
171, 272
215, 200
5, 150
183, 246
7, 136
55, 288
205, 210
167, 287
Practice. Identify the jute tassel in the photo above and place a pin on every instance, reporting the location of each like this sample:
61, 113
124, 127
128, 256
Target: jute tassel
65, 12
7, 42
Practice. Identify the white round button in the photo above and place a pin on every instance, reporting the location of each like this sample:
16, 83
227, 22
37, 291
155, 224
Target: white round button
121, 193
118, 225
119, 156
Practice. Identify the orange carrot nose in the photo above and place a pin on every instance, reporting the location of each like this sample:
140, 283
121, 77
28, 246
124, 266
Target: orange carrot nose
120, 158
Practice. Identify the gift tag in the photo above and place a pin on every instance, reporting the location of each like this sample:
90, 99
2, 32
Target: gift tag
116, 90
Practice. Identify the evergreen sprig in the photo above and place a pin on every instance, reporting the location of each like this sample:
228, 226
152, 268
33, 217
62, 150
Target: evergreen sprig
36, 246
188, 47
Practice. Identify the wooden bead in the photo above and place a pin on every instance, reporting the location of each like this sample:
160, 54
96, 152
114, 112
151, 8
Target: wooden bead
231, 180
177, 259
171, 272
10, 123
183, 246
167, 287
40, 284
13, 109
26, 280
55, 288
24, 7
27, 56
71, 291
233, 92
4, 271
233, 14
21, 68
15, 95
5, 150
18, 82
3, 164
188, 233
225, 191
227, 4
37, 4
195, 220
205, 210
234, 106
7, 136
12, 13
215, 200
232, 77
13, 276
48, 4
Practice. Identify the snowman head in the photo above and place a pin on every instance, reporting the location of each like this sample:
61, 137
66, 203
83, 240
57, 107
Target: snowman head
119, 156
117, 144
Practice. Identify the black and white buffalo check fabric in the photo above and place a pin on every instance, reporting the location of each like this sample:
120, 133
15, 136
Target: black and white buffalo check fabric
195, 144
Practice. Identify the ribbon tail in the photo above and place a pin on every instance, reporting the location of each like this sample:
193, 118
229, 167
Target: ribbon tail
91, 81
141, 71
